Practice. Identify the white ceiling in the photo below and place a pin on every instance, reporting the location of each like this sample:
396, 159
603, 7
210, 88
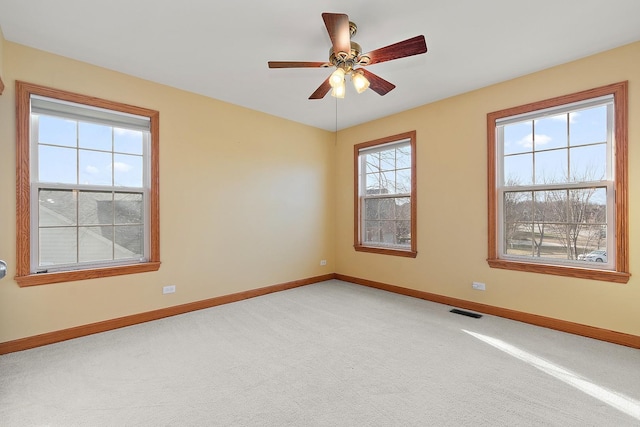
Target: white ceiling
220, 48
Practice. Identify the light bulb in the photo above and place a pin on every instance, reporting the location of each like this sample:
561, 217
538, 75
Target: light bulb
337, 78
360, 82
339, 91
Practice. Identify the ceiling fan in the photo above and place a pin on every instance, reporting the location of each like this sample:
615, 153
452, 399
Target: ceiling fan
347, 57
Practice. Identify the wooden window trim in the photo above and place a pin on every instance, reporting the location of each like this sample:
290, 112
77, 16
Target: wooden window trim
23, 210
621, 273
358, 245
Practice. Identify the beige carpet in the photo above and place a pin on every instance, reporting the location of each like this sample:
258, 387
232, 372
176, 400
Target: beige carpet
329, 354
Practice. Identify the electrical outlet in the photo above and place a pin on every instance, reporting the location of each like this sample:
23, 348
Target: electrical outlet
169, 289
323, 262
479, 286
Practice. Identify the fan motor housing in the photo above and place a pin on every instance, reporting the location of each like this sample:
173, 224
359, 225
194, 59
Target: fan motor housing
347, 61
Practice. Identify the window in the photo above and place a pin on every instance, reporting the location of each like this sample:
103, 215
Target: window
558, 186
87, 192
385, 195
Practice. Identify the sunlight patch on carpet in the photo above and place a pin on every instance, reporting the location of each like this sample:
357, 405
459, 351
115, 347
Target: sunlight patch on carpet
617, 400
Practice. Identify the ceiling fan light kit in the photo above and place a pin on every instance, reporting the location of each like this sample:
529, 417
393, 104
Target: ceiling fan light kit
337, 77
360, 82
347, 58
339, 91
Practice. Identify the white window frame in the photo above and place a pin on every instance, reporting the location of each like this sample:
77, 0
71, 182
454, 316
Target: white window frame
43, 106
607, 183
407, 139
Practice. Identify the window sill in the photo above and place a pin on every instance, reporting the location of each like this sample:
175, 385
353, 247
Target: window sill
386, 251
557, 270
70, 276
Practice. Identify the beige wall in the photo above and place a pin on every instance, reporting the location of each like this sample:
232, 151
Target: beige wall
245, 201
452, 201
1, 55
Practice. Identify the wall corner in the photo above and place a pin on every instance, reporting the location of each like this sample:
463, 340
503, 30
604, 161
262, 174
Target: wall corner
1, 60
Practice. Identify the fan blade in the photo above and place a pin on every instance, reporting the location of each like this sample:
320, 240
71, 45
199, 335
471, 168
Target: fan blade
378, 84
298, 64
338, 28
324, 88
409, 47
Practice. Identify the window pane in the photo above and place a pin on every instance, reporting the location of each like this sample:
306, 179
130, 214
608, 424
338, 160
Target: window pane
551, 240
403, 181
127, 170
95, 208
403, 232
589, 163
373, 162
518, 170
550, 206
588, 126
371, 207
588, 220
388, 232
518, 138
599, 198
559, 227
403, 208
129, 241
565, 223
57, 207
372, 231
57, 131
387, 160
95, 136
517, 214
551, 132
96, 243
403, 157
518, 206
588, 206
373, 183
388, 181
95, 167
387, 208
128, 208
58, 245
127, 141
57, 165
551, 166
